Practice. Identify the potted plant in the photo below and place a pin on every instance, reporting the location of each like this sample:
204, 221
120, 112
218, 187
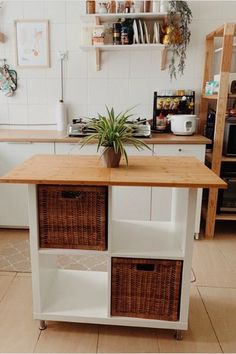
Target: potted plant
177, 35
112, 132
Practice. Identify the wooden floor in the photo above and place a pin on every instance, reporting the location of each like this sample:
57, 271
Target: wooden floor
212, 320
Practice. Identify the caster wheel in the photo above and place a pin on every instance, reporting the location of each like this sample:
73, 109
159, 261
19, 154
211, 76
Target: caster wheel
42, 325
178, 334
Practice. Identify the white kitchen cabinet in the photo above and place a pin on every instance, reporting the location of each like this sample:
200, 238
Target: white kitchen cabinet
137, 201
75, 148
162, 211
14, 197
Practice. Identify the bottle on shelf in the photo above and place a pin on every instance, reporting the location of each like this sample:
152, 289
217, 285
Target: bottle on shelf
90, 7
112, 8
116, 33
147, 6
161, 122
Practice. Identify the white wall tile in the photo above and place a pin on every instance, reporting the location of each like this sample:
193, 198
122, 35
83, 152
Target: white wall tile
195, 8
53, 91
21, 94
58, 37
209, 9
51, 113
3, 99
31, 73
97, 91
118, 91
77, 64
9, 32
37, 91
138, 91
74, 9
118, 64
55, 11
76, 91
73, 35
18, 114
30, 8
4, 117
39, 114
12, 10
140, 64
54, 70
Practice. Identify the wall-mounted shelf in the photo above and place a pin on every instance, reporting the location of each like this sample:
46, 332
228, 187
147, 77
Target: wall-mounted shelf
104, 18
223, 158
111, 47
221, 48
2, 37
215, 97
114, 17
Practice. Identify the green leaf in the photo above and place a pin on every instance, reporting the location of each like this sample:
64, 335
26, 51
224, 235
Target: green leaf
113, 131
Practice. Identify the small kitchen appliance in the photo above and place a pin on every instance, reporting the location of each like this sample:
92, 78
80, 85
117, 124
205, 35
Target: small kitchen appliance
227, 197
229, 144
183, 124
80, 127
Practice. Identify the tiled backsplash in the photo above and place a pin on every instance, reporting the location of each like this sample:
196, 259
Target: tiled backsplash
126, 79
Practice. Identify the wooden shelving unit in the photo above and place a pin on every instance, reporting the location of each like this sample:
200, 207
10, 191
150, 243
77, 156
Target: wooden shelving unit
227, 32
223, 158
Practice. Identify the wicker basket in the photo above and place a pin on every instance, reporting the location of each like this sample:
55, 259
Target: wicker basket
72, 217
146, 288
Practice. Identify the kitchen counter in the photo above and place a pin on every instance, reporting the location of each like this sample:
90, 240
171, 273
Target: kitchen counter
142, 171
10, 135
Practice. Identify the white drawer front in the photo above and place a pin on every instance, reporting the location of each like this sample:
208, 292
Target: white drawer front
180, 150
75, 149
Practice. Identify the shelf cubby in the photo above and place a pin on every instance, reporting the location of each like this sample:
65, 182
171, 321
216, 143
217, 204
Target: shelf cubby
146, 239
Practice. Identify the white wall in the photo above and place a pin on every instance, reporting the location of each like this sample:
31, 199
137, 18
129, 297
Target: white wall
126, 78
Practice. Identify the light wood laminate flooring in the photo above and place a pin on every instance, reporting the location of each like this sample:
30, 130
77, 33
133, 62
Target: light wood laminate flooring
212, 316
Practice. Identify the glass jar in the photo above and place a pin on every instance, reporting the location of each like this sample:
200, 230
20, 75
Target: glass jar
161, 122
108, 34
90, 7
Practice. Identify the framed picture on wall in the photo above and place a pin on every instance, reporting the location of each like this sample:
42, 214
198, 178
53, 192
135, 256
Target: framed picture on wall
32, 43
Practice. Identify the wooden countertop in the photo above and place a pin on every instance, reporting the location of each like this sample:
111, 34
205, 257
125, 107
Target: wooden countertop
10, 135
142, 171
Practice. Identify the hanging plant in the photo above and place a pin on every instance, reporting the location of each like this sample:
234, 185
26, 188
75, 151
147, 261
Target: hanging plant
179, 17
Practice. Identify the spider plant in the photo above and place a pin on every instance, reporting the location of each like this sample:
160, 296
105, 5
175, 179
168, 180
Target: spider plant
112, 132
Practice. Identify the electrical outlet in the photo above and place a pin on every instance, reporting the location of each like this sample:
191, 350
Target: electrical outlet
62, 55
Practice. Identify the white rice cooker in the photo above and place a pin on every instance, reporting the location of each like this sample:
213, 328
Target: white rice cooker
183, 124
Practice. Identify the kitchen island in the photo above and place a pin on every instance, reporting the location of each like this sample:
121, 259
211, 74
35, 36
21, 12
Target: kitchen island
147, 281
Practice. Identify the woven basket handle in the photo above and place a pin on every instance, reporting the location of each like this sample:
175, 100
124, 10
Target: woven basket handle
71, 194
145, 267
